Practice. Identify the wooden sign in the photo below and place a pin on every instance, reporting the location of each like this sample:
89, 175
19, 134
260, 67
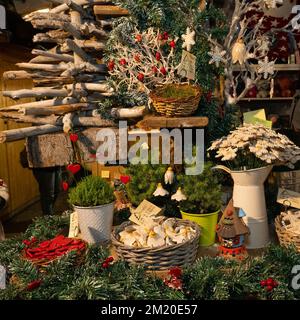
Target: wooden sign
187, 67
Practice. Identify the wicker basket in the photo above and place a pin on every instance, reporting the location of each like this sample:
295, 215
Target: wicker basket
175, 107
286, 237
161, 258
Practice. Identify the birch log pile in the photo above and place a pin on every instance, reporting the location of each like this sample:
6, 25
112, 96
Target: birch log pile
70, 78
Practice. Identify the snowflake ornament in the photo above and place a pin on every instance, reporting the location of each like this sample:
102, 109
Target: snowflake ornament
266, 67
217, 56
189, 39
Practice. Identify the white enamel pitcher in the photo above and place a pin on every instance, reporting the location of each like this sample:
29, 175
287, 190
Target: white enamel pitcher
248, 194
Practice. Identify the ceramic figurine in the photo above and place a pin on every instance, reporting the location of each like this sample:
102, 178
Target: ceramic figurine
231, 231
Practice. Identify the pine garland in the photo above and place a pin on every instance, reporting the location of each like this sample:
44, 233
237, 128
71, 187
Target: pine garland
208, 278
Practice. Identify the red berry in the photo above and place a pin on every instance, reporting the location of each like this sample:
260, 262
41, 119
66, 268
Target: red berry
175, 272
172, 44
74, 137
165, 35
123, 62
137, 58
65, 186
141, 77
154, 69
269, 288
110, 259
263, 283
275, 284
111, 65
160, 37
138, 38
270, 282
157, 56
34, 284
105, 265
163, 70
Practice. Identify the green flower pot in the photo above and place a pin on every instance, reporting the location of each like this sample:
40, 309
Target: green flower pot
207, 223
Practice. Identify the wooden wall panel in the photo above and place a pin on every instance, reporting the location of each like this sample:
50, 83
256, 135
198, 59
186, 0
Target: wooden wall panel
22, 185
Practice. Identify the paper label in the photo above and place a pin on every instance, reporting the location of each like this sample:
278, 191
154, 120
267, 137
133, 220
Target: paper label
187, 67
288, 197
144, 213
105, 174
257, 117
74, 225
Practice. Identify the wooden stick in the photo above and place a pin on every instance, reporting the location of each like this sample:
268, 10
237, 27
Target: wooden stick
47, 67
86, 44
52, 36
55, 56
112, 11
127, 113
46, 15
21, 133
42, 103
64, 6
57, 120
77, 51
39, 92
57, 110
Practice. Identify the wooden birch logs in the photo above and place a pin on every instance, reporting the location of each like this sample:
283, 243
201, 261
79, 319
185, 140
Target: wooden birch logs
53, 56
64, 6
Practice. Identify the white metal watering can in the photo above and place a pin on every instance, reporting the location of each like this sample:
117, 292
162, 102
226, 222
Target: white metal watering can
248, 194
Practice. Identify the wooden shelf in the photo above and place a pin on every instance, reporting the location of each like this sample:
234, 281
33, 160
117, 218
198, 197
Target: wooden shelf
278, 67
268, 99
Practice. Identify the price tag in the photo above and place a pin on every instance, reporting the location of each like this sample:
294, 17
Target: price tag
292, 197
187, 67
105, 174
74, 225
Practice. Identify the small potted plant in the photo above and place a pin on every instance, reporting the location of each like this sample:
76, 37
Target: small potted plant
93, 199
203, 202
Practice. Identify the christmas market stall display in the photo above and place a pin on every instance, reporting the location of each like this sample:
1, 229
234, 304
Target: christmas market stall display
201, 202
250, 152
93, 199
231, 231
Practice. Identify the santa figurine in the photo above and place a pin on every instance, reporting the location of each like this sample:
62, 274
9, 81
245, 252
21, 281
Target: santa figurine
232, 231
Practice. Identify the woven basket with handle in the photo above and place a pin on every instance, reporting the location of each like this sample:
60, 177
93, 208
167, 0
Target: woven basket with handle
286, 237
176, 107
160, 258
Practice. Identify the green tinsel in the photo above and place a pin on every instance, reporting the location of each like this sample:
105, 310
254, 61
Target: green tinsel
208, 278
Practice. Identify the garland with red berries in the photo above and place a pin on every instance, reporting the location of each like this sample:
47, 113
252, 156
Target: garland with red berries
100, 276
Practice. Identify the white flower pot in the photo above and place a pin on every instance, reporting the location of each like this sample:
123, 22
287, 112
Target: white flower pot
248, 194
95, 223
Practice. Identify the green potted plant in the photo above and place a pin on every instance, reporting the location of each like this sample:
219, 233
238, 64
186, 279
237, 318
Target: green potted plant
203, 201
93, 199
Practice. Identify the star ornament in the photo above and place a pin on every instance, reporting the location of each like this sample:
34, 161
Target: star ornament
189, 39
266, 67
217, 56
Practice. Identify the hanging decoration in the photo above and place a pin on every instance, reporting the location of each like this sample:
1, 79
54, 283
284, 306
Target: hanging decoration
189, 39
217, 56
160, 191
266, 67
239, 52
169, 176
